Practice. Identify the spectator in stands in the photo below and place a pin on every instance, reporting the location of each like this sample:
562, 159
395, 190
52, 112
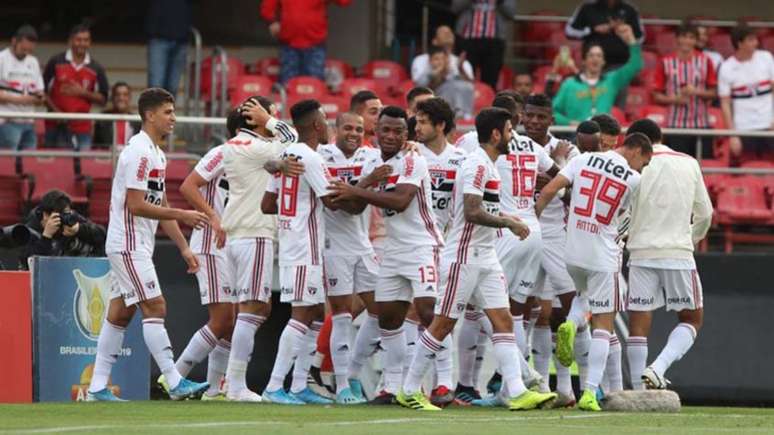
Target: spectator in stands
744, 86
447, 83
415, 96
481, 25
522, 84
597, 22
368, 105
444, 38
609, 131
109, 133
74, 81
21, 89
168, 24
702, 39
301, 26
587, 137
60, 231
592, 91
685, 81
562, 66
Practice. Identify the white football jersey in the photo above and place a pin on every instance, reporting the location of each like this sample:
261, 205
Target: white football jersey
468, 142
518, 171
553, 220
215, 192
415, 226
346, 234
602, 186
141, 166
468, 243
300, 210
443, 170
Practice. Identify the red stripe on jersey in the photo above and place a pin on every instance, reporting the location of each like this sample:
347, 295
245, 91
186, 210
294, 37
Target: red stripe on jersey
157, 173
492, 184
426, 216
119, 132
345, 171
208, 337
313, 229
133, 276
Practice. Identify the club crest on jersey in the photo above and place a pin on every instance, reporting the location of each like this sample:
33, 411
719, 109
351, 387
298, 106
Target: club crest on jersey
150, 285
312, 290
333, 281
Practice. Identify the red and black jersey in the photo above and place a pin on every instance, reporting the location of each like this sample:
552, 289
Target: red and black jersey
61, 70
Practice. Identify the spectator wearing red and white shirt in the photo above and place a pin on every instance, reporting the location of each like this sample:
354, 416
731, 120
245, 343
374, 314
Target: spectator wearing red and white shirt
481, 25
109, 133
74, 81
686, 81
21, 89
744, 86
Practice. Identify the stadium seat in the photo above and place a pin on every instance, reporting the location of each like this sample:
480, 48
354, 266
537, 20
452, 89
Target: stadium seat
540, 75
721, 42
333, 105
768, 180
234, 66
350, 87
767, 43
269, 67
386, 74
483, 95
713, 181
98, 173
505, 79
340, 67
47, 173
248, 85
10, 192
657, 114
619, 115
177, 170
653, 30
536, 33
306, 87
742, 200
666, 43
637, 97
650, 62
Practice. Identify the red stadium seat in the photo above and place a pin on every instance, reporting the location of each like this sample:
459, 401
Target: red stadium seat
333, 105
177, 170
306, 87
386, 74
721, 42
536, 33
234, 67
637, 97
767, 43
269, 67
483, 95
246, 86
666, 43
350, 87
47, 173
540, 75
619, 115
713, 181
657, 114
505, 79
10, 192
650, 62
653, 30
99, 173
743, 200
768, 180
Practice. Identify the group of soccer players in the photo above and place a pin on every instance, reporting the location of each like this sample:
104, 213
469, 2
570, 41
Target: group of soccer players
518, 236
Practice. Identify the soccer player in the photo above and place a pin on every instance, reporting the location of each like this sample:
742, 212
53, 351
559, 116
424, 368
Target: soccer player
138, 205
553, 280
670, 214
609, 131
408, 270
206, 189
435, 119
414, 96
250, 233
368, 105
298, 202
349, 259
587, 137
468, 142
602, 186
470, 271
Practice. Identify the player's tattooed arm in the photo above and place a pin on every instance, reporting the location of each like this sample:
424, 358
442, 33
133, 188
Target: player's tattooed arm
289, 166
190, 191
549, 192
475, 213
269, 203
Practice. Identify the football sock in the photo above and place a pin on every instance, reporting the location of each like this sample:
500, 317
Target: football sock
242, 341
341, 343
291, 343
217, 364
507, 353
483, 339
366, 344
466, 347
160, 348
411, 330
541, 351
443, 364
600, 344
582, 343
305, 357
111, 337
680, 341
394, 345
637, 354
563, 378
201, 344
579, 310
520, 333
427, 350
613, 371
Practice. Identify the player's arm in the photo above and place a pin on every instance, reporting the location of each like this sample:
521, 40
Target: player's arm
172, 229
475, 214
549, 192
135, 202
190, 191
702, 210
355, 204
289, 166
269, 203
398, 199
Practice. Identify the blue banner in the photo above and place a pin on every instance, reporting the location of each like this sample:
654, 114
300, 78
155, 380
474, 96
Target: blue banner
70, 300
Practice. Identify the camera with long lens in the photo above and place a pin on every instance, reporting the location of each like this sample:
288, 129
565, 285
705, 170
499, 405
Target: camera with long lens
70, 218
13, 236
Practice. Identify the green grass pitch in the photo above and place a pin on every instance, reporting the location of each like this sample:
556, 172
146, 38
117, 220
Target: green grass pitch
207, 418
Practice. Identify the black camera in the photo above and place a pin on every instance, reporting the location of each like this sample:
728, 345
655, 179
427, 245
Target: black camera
13, 236
69, 218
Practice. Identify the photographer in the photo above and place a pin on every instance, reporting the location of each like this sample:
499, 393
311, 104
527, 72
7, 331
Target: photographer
60, 231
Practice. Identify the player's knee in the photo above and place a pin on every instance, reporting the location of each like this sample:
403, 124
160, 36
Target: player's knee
425, 314
222, 325
694, 318
156, 307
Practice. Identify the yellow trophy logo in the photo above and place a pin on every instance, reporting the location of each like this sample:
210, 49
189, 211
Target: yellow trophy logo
90, 303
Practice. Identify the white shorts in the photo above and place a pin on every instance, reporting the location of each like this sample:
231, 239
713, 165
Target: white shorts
302, 286
652, 288
250, 264
603, 289
554, 270
214, 280
348, 274
481, 285
406, 276
520, 260
133, 277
